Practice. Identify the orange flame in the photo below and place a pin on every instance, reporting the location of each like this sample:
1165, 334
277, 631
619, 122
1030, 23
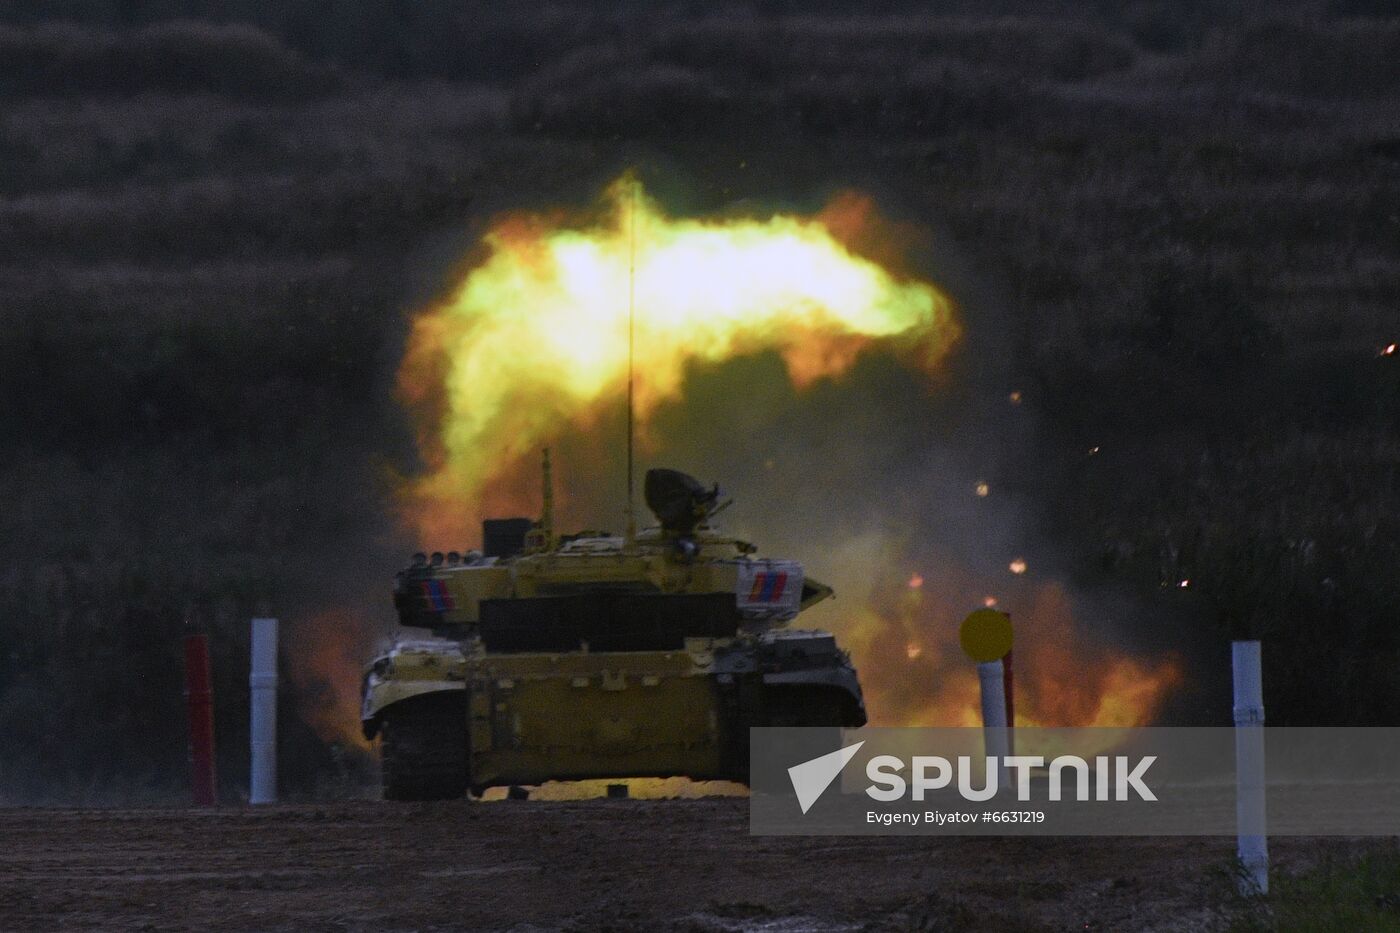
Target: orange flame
1062, 677
326, 661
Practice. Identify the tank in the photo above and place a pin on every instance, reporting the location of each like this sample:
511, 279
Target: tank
593, 655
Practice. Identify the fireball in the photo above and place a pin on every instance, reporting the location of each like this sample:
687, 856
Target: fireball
536, 337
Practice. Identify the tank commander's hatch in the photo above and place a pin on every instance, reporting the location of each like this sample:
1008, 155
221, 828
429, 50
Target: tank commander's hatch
678, 500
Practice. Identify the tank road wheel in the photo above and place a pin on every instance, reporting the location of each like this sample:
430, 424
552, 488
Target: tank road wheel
424, 755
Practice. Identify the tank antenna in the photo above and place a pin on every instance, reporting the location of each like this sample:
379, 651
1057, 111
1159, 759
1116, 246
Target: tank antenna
547, 513
631, 538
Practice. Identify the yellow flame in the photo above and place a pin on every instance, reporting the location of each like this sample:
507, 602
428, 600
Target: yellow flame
637, 788
536, 335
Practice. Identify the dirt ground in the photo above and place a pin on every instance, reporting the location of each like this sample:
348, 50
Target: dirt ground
624, 865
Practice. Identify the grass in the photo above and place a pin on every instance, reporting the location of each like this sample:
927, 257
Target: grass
1342, 893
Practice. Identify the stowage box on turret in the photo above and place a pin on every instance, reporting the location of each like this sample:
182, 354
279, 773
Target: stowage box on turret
600, 656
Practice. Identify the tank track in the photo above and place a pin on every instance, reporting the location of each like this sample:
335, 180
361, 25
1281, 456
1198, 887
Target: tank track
424, 755
806, 706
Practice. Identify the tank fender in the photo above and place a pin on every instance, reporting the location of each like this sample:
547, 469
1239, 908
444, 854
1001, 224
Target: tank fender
842, 677
381, 694
839, 679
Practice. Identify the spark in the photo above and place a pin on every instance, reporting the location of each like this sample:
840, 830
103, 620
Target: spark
982, 489
990, 602
913, 651
1017, 566
1015, 397
915, 581
1388, 350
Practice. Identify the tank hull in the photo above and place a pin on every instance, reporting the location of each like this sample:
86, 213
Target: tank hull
526, 718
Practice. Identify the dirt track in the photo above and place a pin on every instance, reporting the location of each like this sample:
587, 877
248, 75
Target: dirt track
599, 864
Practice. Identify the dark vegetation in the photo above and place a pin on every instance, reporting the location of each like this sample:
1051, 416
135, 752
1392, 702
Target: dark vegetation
213, 215
1348, 888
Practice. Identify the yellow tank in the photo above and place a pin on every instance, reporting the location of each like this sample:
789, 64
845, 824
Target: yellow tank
600, 656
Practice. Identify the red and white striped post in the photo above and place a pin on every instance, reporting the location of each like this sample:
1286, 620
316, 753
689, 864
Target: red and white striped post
199, 697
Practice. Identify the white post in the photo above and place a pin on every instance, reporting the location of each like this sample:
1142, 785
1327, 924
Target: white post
1253, 846
262, 682
998, 746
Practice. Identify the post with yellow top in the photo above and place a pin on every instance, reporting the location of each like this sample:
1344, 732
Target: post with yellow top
986, 638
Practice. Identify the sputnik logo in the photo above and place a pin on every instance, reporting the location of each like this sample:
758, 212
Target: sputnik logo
811, 778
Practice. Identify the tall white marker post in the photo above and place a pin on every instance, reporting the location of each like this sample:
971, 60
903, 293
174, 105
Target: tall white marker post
996, 740
1253, 846
262, 682
986, 637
